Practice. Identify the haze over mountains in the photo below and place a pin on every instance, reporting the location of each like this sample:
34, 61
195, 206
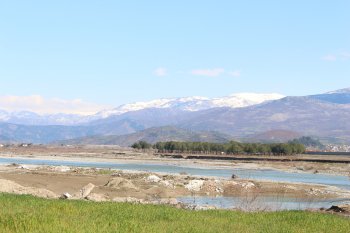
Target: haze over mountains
240, 116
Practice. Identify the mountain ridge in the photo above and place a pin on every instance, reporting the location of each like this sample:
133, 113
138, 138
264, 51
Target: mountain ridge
320, 115
190, 104
196, 103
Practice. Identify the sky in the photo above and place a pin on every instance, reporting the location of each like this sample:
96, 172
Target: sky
98, 54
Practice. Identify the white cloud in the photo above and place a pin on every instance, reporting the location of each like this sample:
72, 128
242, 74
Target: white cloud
235, 73
160, 71
38, 104
208, 72
337, 56
346, 55
329, 57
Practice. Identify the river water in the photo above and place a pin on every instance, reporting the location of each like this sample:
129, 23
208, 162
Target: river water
256, 174
271, 203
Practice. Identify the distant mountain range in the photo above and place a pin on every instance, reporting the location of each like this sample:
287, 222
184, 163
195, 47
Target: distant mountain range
190, 104
304, 115
195, 103
241, 116
32, 118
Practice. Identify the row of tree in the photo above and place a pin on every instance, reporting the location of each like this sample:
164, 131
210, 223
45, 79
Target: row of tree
226, 148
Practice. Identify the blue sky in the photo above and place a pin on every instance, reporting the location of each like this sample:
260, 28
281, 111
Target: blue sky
114, 52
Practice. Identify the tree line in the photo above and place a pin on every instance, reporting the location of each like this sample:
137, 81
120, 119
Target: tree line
231, 147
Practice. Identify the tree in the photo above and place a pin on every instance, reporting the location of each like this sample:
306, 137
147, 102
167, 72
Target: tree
141, 145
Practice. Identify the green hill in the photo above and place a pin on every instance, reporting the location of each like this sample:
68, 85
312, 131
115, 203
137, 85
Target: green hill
153, 135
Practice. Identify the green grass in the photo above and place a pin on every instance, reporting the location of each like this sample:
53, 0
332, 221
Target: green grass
30, 214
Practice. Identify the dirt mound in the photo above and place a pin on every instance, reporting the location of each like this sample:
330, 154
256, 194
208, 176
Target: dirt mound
8, 186
121, 183
213, 187
159, 192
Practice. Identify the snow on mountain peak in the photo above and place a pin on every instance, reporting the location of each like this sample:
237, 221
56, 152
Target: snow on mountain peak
195, 103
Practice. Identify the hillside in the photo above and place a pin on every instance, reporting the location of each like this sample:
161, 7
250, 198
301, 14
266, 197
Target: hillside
273, 136
339, 97
304, 115
153, 135
40, 134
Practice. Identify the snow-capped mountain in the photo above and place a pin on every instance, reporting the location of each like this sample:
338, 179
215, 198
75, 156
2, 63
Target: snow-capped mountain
190, 104
195, 103
323, 115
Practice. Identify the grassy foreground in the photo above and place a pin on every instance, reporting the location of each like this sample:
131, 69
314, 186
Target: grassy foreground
30, 214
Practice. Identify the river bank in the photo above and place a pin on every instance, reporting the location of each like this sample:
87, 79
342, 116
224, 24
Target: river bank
154, 188
114, 153
119, 175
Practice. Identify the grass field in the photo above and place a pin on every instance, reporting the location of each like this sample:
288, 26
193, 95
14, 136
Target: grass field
30, 214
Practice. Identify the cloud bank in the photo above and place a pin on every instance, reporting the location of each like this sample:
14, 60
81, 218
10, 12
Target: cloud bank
215, 72
160, 71
208, 72
38, 104
329, 57
336, 56
235, 73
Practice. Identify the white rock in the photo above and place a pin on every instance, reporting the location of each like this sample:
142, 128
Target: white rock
194, 185
24, 167
248, 185
233, 182
153, 179
66, 196
219, 190
86, 190
62, 169
166, 183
